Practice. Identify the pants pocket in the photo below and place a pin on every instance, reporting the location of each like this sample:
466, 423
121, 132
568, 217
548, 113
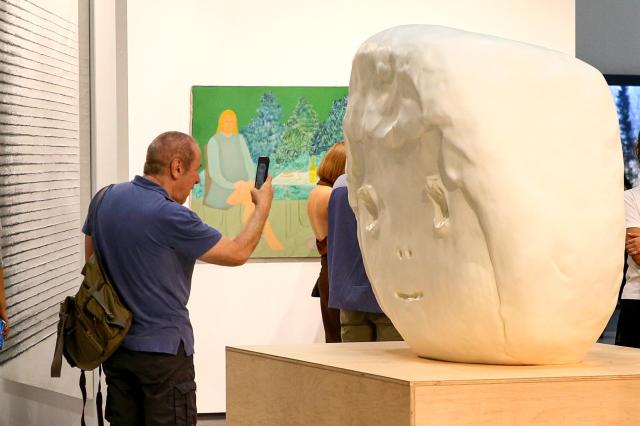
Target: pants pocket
185, 403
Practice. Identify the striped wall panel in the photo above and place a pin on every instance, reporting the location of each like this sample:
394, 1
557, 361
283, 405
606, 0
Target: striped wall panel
39, 167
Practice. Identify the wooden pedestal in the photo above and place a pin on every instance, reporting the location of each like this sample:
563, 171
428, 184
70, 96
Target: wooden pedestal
386, 384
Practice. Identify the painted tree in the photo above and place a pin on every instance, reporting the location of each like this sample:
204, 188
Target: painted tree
298, 132
264, 131
627, 137
624, 112
329, 131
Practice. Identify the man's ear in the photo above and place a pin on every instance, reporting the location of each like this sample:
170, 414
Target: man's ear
176, 168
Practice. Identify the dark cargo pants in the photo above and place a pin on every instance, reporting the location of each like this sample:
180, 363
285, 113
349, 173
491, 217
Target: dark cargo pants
146, 388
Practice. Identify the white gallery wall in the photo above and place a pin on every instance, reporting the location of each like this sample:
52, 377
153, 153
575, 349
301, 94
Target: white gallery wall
280, 43
607, 35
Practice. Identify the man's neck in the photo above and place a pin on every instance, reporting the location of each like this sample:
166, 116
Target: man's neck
162, 181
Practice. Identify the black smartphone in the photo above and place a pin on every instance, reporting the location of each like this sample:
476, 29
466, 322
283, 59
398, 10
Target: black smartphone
262, 171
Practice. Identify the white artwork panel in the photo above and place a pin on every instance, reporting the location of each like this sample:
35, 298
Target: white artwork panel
39, 165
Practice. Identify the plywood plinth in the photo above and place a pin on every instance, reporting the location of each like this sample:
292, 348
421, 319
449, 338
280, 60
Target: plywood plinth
386, 384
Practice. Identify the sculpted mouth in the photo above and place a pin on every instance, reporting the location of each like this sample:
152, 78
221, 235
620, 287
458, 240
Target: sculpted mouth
409, 297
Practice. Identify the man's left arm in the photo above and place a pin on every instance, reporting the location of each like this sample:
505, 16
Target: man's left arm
88, 247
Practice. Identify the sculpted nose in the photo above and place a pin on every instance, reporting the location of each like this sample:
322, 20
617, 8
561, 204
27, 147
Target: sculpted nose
404, 253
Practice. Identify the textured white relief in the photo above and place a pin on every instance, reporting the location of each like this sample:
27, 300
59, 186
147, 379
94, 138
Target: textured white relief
486, 176
39, 166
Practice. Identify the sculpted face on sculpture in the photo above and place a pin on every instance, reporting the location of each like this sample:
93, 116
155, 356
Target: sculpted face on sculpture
486, 177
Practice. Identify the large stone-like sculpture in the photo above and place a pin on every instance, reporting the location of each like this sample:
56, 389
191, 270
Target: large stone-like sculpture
486, 176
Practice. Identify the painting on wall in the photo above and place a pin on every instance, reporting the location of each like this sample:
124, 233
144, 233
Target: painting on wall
294, 127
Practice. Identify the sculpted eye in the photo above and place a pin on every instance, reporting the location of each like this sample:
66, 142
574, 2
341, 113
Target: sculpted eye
437, 193
368, 198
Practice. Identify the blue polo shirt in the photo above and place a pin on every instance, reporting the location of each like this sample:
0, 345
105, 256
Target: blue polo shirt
349, 286
149, 244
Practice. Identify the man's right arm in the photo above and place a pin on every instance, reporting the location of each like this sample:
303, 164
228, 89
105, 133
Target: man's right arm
236, 251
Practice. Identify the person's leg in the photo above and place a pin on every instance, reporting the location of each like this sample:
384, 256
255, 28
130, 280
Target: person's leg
354, 327
150, 389
385, 331
628, 330
168, 384
330, 316
125, 400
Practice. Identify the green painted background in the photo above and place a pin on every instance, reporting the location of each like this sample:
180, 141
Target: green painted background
209, 101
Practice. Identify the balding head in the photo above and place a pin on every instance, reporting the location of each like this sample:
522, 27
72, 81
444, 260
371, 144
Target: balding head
167, 147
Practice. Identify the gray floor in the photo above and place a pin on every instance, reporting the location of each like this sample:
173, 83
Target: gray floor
211, 420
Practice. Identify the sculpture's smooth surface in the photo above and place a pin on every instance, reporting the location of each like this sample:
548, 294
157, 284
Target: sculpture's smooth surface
486, 176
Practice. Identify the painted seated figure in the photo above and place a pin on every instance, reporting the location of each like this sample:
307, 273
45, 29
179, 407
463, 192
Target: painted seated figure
228, 162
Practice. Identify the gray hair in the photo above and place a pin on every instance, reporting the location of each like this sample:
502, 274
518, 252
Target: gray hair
167, 147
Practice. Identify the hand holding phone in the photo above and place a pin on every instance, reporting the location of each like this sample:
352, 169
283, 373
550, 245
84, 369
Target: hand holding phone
262, 171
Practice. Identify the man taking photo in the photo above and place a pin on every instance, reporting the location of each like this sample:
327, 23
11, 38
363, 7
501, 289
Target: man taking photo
149, 244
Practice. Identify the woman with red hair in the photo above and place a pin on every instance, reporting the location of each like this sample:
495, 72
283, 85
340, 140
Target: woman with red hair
331, 166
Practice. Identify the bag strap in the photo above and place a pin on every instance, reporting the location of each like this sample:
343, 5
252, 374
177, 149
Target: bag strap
83, 389
99, 398
93, 214
56, 364
99, 413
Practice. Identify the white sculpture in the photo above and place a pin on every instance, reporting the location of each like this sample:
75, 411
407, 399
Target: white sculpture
486, 176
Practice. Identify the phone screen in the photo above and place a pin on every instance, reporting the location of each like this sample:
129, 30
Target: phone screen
262, 171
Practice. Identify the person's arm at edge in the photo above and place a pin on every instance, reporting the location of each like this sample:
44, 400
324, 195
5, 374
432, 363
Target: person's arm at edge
318, 211
322, 213
236, 251
632, 243
3, 305
88, 247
